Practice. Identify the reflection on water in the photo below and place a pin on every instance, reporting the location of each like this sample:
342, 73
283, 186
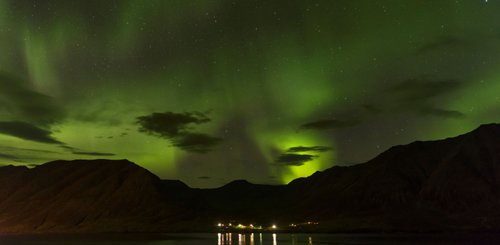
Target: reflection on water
249, 239
356, 239
255, 239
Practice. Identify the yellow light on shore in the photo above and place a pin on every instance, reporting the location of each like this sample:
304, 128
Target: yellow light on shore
274, 227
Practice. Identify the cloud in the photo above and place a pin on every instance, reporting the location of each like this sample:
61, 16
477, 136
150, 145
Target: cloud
205, 177
289, 159
9, 157
170, 124
328, 124
419, 95
27, 131
441, 42
178, 129
27, 114
10, 148
25, 155
87, 153
93, 153
299, 155
195, 142
298, 149
372, 109
19, 102
413, 89
449, 114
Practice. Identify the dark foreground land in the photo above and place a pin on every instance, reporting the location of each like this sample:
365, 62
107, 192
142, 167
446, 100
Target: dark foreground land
436, 186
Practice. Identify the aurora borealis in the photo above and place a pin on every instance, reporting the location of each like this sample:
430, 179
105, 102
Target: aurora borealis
212, 91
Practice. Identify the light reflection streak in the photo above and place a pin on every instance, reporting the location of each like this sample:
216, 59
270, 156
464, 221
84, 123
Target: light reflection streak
226, 239
241, 239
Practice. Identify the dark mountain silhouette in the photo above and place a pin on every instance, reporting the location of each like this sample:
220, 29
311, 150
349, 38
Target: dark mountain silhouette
436, 185
450, 184
100, 195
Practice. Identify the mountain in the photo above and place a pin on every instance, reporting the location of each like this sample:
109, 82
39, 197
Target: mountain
86, 196
443, 185
437, 185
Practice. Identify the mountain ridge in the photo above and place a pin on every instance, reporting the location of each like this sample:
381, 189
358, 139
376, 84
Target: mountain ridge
440, 185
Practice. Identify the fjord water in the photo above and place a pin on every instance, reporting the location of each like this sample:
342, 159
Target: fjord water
254, 239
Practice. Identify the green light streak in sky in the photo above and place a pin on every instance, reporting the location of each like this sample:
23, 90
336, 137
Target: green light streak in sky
258, 69
41, 72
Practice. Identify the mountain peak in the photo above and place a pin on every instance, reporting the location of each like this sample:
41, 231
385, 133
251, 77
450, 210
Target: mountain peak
92, 165
237, 183
488, 127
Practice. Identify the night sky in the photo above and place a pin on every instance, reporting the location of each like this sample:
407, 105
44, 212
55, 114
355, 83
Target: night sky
268, 91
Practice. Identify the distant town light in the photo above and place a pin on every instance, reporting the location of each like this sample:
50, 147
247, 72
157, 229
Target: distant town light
274, 226
220, 224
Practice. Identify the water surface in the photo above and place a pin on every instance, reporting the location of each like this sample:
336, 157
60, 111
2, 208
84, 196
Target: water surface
254, 239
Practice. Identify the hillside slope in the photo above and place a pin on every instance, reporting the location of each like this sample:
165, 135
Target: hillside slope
450, 184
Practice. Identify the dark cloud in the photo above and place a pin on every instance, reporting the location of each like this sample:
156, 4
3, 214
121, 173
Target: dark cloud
294, 159
298, 149
299, 155
441, 42
9, 157
170, 124
373, 109
26, 113
449, 114
328, 124
414, 89
80, 152
27, 131
205, 177
10, 148
416, 96
195, 142
66, 147
93, 153
178, 128
21, 103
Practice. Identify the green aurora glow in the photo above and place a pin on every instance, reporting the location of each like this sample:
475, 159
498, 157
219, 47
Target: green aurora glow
363, 75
